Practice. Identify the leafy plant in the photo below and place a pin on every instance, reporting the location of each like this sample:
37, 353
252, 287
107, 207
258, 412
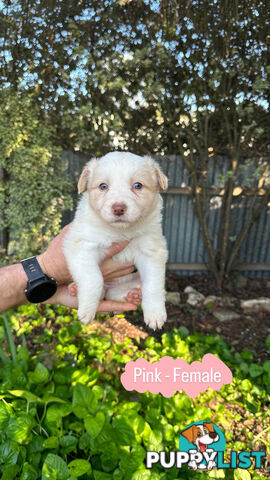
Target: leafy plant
65, 415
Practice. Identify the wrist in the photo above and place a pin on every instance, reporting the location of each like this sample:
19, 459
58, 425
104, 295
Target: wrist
42, 264
21, 278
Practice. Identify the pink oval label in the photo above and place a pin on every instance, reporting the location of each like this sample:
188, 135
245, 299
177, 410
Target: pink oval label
168, 375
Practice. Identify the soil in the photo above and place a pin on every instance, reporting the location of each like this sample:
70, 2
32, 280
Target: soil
248, 331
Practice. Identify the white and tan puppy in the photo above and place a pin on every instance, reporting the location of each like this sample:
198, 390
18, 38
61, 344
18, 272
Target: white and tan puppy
120, 202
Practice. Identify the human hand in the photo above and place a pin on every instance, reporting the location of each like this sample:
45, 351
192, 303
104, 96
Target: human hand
67, 295
54, 264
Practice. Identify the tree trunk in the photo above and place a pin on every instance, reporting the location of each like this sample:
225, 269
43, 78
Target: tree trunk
253, 216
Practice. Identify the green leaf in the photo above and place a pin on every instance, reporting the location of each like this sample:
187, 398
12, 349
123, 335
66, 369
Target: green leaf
36, 444
240, 474
54, 468
23, 354
110, 457
79, 467
9, 452
216, 474
4, 413
55, 413
131, 461
122, 432
19, 428
118, 475
30, 397
10, 472
94, 424
102, 476
51, 442
142, 475
266, 366
40, 374
255, 370
154, 440
84, 400
68, 443
47, 398
29, 472
84, 442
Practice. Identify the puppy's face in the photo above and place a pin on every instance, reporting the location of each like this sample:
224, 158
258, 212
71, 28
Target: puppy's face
201, 435
122, 187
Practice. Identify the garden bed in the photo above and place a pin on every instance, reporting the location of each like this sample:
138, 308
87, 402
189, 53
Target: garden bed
66, 415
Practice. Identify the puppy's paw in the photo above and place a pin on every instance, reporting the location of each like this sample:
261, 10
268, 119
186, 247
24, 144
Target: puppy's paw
86, 316
192, 465
134, 296
154, 317
212, 465
73, 289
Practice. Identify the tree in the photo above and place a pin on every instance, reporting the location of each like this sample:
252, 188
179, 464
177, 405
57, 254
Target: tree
33, 189
206, 92
161, 77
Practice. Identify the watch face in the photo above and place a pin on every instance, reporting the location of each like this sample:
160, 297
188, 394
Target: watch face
42, 292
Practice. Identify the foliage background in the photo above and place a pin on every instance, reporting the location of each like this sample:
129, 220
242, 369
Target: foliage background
64, 413
189, 78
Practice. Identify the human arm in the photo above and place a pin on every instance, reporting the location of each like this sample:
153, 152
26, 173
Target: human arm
13, 279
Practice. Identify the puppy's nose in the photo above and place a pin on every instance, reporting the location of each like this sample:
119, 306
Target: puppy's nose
212, 434
119, 209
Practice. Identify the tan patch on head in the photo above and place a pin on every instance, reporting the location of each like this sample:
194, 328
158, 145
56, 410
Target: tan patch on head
145, 176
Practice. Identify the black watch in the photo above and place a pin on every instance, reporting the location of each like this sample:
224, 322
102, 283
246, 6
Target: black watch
39, 287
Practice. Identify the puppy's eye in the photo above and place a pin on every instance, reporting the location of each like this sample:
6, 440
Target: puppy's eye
103, 186
199, 434
137, 186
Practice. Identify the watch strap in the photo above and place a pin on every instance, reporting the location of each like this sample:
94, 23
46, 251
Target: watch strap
33, 269
39, 287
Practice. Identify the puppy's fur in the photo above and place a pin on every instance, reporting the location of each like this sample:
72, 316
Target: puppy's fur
114, 209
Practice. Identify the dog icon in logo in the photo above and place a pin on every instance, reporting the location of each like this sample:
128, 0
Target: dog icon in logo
201, 436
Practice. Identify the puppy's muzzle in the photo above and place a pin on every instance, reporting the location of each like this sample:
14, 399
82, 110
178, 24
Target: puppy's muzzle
119, 209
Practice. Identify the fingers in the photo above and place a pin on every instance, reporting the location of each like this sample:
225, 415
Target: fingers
120, 273
106, 306
115, 248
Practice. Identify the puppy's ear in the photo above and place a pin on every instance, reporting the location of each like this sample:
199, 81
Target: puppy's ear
189, 434
82, 183
85, 175
210, 426
162, 179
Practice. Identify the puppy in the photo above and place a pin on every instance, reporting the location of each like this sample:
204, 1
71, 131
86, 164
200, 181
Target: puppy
202, 436
120, 202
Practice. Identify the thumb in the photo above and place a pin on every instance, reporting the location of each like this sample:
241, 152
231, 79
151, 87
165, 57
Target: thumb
116, 248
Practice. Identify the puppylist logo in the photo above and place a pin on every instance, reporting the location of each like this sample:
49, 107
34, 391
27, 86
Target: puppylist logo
202, 447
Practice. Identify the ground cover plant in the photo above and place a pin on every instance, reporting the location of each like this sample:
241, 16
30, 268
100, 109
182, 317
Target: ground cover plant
65, 415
